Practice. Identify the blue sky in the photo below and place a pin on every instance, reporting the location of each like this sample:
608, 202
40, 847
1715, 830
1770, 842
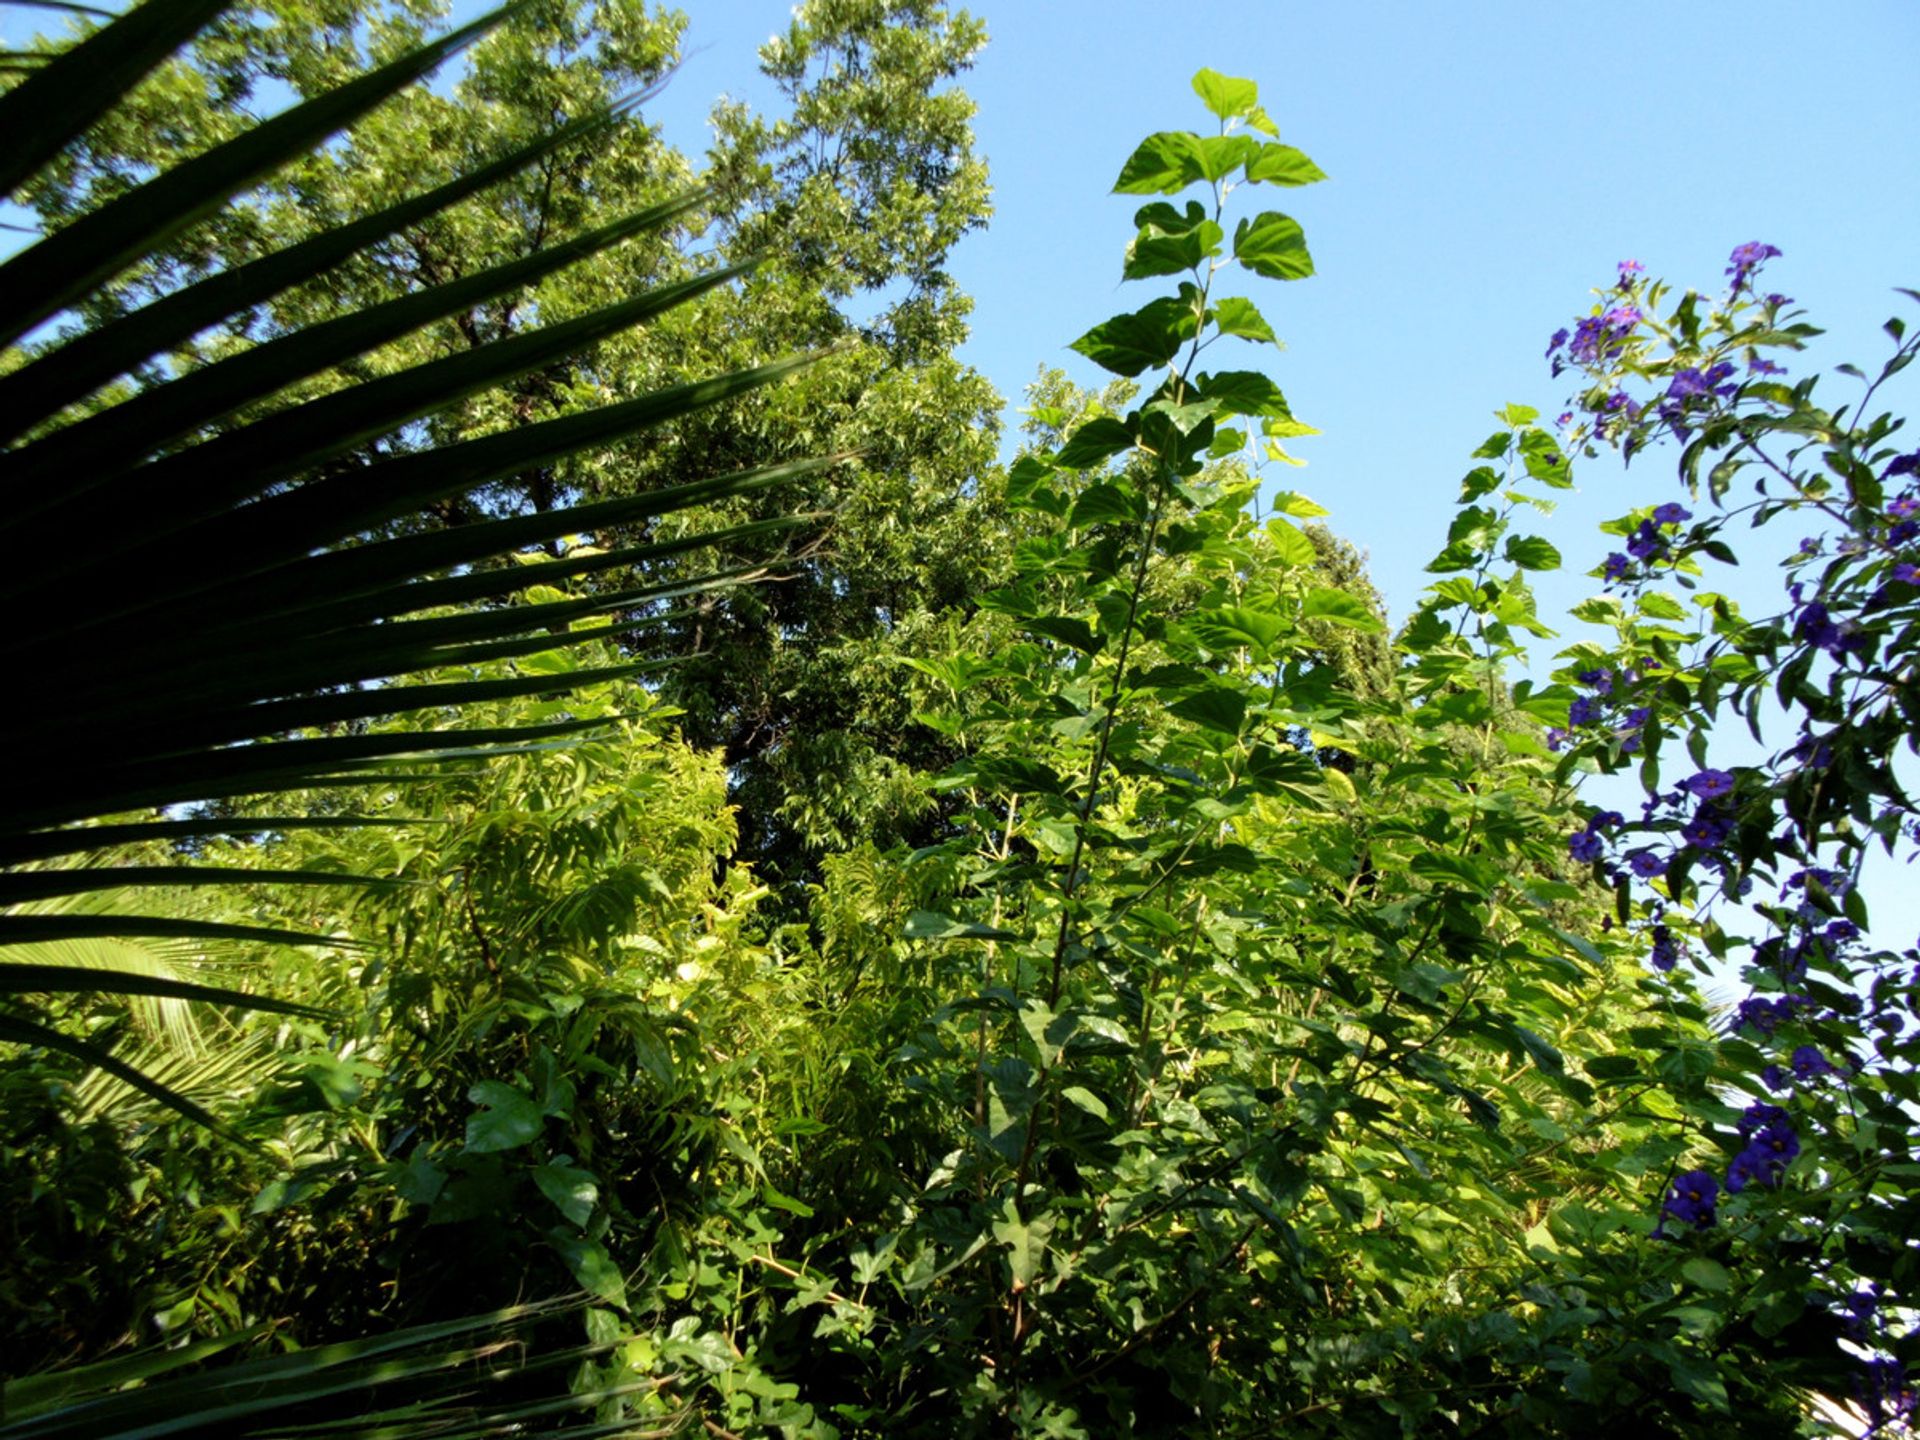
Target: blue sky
1488, 163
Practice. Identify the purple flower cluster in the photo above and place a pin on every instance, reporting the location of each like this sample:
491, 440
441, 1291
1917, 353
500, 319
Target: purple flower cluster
1886, 1396
1665, 951
1816, 626
1594, 339
1746, 259
1758, 1013
1647, 543
1691, 385
1589, 845
1693, 1198
1771, 1145
1709, 829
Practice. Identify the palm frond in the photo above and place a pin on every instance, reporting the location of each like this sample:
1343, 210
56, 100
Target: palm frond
260, 582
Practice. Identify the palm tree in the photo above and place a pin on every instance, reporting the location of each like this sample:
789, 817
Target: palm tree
211, 592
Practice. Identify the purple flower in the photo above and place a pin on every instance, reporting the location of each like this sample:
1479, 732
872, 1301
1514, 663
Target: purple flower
1760, 365
1629, 269
1708, 830
1617, 566
1907, 574
1748, 258
1559, 339
1647, 864
1601, 681
1859, 1309
1887, 1397
1583, 711
1775, 1078
1709, 784
1810, 1064
1556, 737
1903, 532
1665, 952
1693, 1197
1841, 931
1671, 514
1585, 847
1606, 820
1810, 547
1686, 384
1758, 1116
1817, 629
1754, 1166
1904, 506
1646, 542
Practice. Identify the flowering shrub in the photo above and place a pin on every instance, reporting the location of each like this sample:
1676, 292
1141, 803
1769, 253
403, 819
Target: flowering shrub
1761, 864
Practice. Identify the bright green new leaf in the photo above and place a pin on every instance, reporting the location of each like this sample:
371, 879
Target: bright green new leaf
1338, 607
1227, 96
1290, 546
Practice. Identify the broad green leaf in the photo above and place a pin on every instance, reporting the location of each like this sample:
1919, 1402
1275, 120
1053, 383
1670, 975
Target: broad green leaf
1700, 1380
1094, 443
1273, 245
1109, 502
928, 925
1084, 1099
506, 1120
1152, 335
1216, 707
1067, 629
1661, 606
1290, 547
1236, 315
1245, 392
1283, 165
593, 1268
1708, 1274
1530, 552
1292, 502
573, 1190
1163, 164
1169, 242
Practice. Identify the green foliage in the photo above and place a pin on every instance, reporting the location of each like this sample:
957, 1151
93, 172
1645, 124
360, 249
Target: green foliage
1048, 961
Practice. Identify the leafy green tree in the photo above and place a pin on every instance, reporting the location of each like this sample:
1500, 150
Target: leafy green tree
851, 202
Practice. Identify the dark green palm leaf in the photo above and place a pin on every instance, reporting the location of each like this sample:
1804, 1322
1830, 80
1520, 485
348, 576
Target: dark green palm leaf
41, 115
44, 279
43, 387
